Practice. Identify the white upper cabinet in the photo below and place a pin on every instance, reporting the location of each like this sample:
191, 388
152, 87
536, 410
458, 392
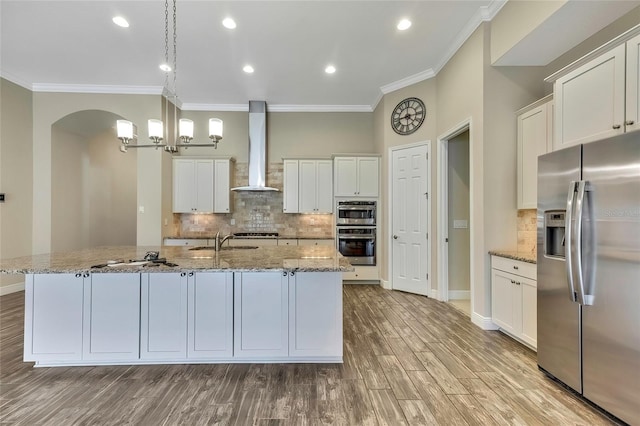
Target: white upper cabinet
535, 134
201, 185
356, 176
290, 187
599, 97
308, 186
632, 113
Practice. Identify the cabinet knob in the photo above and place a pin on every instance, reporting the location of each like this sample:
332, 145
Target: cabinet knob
513, 282
78, 275
292, 273
616, 126
517, 282
515, 267
395, 237
183, 274
190, 274
284, 274
629, 123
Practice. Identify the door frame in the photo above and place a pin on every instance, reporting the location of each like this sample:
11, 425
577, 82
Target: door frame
392, 149
443, 210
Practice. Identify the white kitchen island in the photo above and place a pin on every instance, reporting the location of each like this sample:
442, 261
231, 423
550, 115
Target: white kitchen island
269, 304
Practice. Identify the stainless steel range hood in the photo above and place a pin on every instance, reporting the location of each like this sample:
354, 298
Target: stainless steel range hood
257, 148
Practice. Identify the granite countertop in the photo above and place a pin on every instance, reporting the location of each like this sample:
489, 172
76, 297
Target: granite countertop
257, 237
273, 258
516, 255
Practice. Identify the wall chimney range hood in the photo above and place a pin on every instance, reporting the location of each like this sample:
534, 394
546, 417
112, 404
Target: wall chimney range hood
257, 148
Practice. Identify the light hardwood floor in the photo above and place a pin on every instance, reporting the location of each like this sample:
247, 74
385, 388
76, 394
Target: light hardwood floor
408, 360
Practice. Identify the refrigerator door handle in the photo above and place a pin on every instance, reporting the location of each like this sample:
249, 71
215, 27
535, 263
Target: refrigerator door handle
577, 246
568, 248
585, 278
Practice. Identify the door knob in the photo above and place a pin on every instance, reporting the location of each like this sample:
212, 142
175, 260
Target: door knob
395, 237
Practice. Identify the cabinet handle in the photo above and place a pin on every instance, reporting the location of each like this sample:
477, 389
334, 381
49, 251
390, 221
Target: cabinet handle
190, 274
616, 126
515, 267
517, 282
78, 275
513, 282
85, 275
183, 274
629, 122
284, 274
292, 273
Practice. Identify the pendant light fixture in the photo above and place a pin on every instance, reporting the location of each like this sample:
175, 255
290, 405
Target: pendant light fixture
124, 128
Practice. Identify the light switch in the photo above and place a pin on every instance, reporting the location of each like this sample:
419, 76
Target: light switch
460, 224
141, 209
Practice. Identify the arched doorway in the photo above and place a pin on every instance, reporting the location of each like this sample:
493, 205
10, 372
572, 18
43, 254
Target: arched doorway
94, 186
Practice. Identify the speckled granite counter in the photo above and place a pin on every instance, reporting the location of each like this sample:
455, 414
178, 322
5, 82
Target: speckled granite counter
274, 258
515, 255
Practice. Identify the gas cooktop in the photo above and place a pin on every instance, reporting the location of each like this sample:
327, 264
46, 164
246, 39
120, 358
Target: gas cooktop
256, 234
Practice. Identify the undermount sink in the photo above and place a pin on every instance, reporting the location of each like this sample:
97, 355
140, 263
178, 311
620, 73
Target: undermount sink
224, 248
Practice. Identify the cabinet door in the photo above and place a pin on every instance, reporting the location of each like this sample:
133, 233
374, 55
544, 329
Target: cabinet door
632, 119
324, 186
222, 183
290, 187
529, 312
111, 326
204, 186
315, 314
53, 317
307, 194
532, 142
260, 315
184, 178
506, 311
210, 319
163, 325
346, 176
368, 176
590, 101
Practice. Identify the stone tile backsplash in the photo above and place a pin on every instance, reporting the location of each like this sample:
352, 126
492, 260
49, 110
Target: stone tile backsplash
255, 212
527, 231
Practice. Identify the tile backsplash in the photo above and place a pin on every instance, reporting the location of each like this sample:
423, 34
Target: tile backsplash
527, 231
255, 212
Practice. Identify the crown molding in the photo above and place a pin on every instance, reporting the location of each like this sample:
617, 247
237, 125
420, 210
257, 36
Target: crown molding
16, 80
95, 88
408, 81
377, 100
277, 108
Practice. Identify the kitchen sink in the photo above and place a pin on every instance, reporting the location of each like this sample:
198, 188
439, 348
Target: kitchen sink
224, 248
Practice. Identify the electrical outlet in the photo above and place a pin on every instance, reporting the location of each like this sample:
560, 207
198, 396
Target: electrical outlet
233, 221
141, 209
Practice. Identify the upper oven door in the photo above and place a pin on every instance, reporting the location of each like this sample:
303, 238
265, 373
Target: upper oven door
356, 213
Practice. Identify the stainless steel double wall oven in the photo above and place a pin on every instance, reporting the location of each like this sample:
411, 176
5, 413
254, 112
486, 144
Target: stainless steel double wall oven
356, 231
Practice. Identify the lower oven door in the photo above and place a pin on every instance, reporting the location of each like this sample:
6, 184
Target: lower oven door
358, 249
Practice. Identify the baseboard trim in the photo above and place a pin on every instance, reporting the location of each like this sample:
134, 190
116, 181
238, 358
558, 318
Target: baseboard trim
459, 294
435, 294
11, 288
484, 323
386, 284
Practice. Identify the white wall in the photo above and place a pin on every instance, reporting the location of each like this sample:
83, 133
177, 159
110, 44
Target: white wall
16, 175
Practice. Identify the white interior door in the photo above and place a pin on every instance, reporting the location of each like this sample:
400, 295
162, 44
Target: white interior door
410, 220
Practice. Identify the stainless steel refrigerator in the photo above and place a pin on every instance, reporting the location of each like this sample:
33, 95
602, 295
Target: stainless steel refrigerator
589, 271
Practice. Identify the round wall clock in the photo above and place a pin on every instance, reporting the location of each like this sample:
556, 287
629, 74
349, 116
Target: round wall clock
408, 116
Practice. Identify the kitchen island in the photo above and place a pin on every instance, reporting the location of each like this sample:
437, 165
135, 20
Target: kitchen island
267, 304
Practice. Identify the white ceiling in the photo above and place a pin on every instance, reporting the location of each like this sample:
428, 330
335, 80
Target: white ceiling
74, 46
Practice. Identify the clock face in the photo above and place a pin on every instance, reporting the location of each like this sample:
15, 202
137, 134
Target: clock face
408, 116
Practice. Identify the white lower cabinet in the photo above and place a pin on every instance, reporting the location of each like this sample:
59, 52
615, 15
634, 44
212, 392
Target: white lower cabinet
261, 314
210, 315
163, 325
111, 326
53, 317
514, 298
315, 314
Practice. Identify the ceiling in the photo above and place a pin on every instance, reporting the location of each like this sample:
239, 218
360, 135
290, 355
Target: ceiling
73, 46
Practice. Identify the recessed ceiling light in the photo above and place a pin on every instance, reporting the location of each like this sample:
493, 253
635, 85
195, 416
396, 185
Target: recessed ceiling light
120, 21
229, 23
248, 69
404, 24
330, 69
165, 67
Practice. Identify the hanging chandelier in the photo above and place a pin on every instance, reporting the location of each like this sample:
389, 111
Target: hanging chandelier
124, 128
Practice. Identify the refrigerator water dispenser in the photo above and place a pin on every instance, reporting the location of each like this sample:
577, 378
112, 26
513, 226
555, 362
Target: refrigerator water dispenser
554, 233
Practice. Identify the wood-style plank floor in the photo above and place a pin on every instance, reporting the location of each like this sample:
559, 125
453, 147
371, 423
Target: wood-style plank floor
407, 360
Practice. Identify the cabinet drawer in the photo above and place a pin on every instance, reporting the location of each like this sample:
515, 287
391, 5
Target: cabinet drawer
185, 242
517, 267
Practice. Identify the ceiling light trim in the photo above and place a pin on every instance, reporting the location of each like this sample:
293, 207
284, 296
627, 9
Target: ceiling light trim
95, 88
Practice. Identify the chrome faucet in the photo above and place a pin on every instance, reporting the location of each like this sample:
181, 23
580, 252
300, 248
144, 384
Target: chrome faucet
219, 241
